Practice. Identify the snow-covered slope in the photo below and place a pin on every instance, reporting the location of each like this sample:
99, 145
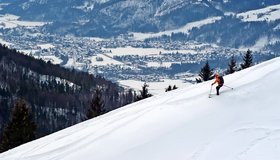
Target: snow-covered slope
184, 124
185, 29
270, 13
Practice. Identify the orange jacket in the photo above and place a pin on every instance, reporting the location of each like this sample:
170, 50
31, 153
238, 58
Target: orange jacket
217, 80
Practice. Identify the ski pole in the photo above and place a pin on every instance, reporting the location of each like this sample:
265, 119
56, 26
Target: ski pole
210, 91
228, 87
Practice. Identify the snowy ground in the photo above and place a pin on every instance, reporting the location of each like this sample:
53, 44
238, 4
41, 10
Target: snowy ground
12, 21
28, 51
160, 64
46, 46
106, 60
192, 49
154, 88
184, 29
240, 124
270, 13
53, 59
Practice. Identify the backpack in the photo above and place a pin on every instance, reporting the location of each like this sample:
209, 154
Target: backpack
221, 80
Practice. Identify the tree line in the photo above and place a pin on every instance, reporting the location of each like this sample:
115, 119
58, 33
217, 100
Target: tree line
56, 97
206, 73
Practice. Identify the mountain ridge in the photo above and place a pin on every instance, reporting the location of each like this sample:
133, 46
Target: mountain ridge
112, 18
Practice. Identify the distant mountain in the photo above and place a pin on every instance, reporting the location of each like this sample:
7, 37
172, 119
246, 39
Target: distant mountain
111, 17
107, 18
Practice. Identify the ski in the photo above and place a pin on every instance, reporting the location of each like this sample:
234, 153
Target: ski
211, 95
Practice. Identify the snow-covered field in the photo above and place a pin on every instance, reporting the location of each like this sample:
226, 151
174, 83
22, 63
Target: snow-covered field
106, 60
46, 58
53, 59
121, 51
240, 124
154, 88
159, 64
270, 13
261, 43
28, 51
46, 46
184, 29
12, 21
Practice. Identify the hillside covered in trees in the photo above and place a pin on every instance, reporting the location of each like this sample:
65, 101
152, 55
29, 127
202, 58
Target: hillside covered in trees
57, 97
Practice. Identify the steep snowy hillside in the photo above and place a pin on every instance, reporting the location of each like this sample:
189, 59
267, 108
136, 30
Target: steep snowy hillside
185, 124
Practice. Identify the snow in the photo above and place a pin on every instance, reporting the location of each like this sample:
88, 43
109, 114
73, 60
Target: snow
53, 59
277, 27
261, 42
133, 51
28, 51
102, 1
70, 63
122, 51
46, 46
154, 88
12, 21
159, 64
270, 13
97, 39
184, 124
107, 60
86, 7
184, 29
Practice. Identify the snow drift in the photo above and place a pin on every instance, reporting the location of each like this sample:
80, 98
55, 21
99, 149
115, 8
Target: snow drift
184, 124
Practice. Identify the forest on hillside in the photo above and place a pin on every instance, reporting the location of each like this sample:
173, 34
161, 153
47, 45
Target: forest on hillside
58, 97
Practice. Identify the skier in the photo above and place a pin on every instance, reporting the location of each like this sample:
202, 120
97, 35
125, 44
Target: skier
220, 81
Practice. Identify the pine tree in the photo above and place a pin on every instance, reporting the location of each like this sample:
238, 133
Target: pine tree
248, 60
206, 73
96, 106
21, 129
231, 66
169, 88
144, 93
129, 97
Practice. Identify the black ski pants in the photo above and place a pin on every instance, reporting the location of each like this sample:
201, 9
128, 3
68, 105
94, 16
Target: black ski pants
218, 89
